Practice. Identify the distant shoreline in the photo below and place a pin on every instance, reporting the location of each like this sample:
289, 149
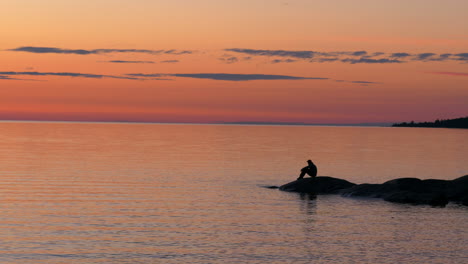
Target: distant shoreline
447, 123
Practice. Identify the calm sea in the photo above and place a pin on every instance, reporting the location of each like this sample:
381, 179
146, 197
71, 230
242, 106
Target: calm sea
153, 193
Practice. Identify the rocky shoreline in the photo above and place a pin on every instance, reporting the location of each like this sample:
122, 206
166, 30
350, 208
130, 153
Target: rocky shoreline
403, 190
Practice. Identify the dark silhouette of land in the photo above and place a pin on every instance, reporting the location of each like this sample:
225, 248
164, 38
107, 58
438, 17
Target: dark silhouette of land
447, 123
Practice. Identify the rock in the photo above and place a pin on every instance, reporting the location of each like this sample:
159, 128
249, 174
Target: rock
434, 199
464, 201
457, 190
317, 185
403, 190
366, 190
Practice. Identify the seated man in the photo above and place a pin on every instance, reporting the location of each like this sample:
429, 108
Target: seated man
310, 169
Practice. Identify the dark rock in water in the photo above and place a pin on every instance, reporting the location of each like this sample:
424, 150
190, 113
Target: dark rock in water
403, 190
317, 185
365, 190
464, 201
457, 190
434, 199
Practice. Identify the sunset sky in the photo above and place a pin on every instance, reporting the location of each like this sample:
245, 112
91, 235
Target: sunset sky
203, 61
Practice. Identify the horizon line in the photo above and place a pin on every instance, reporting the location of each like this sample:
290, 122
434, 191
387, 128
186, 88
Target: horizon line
251, 123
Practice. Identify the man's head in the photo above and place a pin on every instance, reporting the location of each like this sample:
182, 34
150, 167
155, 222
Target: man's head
310, 162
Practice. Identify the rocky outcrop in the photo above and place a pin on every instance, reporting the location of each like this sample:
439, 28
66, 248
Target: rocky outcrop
317, 185
403, 190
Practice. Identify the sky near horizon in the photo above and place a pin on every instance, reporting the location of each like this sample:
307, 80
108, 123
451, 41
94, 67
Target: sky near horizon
333, 61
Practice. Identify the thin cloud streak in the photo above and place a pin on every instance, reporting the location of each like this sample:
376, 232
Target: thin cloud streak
365, 82
362, 83
226, 76
43, 50
125, 61
65, 74
3, 77
283, 61
279, 53
371, 61
7, 75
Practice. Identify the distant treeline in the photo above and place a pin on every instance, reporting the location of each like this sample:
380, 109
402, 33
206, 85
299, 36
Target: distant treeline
449, 123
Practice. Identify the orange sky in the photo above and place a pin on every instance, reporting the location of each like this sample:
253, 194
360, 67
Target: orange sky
334, 61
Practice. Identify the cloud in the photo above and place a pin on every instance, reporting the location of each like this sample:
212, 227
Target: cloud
16, 79
3, 77
161, 79
364, 82
64, 74
462, 57
226, 76
169, 61
96, 51
7, 75
229, 60
423, 56
279, 53
445, 55
400, 55
358, 53
68, 74
124, 61
243, 77
324, 60
283, 61
176, 52
51, 50
302, 54
451, 73
372, 61
350, 56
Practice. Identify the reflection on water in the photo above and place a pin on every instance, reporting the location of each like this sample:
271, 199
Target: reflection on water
141, 193
308, 204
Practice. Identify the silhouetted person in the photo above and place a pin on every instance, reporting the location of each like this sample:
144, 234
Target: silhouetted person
310, 170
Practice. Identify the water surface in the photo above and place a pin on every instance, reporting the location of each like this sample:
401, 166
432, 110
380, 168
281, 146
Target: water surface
152, 193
